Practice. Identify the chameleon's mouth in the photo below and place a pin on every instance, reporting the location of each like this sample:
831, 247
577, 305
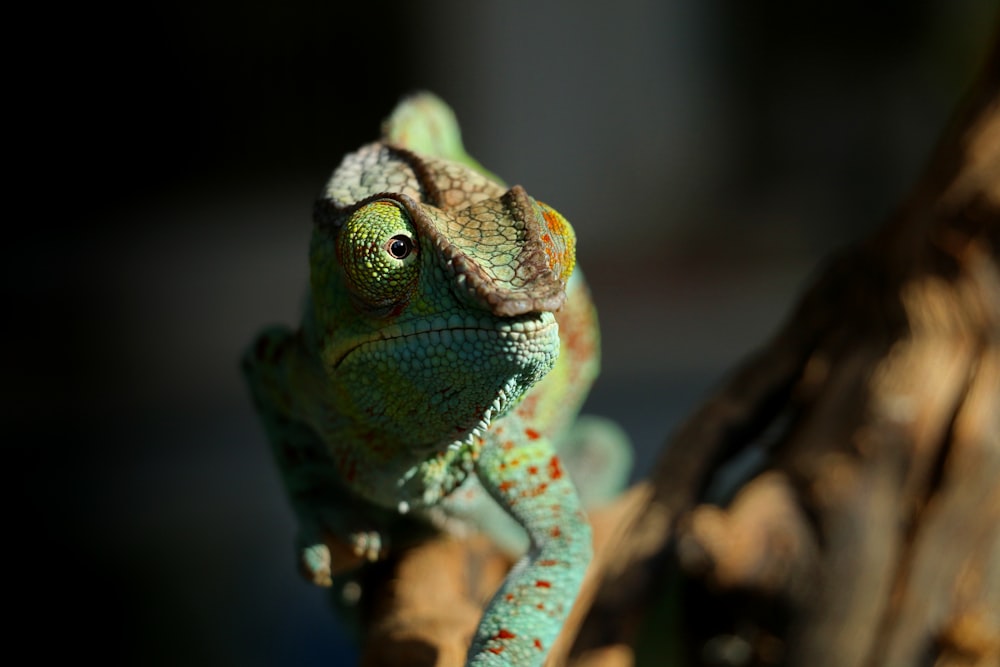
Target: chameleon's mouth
459, 339
440, 380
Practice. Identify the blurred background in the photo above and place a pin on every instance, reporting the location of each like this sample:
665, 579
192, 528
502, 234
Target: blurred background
710, 154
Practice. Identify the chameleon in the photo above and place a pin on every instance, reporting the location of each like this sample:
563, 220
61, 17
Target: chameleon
447, 343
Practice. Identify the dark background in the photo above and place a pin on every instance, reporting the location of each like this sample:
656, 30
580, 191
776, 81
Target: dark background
709, 154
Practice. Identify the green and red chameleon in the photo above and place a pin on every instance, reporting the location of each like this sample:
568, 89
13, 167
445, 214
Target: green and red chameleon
446, 347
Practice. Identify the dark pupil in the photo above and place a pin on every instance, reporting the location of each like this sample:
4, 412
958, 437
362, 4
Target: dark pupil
400, 247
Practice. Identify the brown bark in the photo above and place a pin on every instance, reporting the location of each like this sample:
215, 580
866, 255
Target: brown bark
867, 533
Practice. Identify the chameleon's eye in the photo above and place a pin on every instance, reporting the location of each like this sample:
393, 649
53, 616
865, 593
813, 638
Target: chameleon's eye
377, 247
399, 246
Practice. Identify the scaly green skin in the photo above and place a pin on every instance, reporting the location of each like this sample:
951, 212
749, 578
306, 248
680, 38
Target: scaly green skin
440, 299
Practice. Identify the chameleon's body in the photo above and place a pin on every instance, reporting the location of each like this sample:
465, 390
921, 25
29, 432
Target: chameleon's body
439, 301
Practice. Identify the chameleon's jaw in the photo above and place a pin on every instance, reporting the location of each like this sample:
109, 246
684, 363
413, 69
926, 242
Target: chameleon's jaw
460, 334
440, 380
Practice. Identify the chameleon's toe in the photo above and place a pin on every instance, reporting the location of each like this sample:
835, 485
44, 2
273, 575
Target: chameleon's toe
324, 554
368, 545
315, 563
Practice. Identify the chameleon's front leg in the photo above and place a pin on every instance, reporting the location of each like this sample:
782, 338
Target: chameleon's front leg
271, 367
520, 469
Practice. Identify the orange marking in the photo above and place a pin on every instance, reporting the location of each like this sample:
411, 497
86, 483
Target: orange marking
555, 468
541, 583
506, 486
548, 562
553, 221
527, 407
509, 597
507, 445
495, 649
537, 491
556, 532
533, 470
504, 634
538, 644
532, 434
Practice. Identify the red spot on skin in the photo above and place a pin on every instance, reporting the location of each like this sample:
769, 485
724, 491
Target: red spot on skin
538, 644
533, 470
548, 562
509, 597
506, 486
540, 606
541, 583
537, 491
555, 532
495, 649
555, 468
507, 445
397, 309
532, 434
504, 634
526, 410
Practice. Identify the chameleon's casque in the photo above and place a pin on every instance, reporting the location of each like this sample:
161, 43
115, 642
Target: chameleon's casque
447, 342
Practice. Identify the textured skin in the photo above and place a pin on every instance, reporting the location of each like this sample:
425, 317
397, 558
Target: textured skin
445, 349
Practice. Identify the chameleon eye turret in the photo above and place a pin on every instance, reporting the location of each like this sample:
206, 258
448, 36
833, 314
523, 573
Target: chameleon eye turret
377, 249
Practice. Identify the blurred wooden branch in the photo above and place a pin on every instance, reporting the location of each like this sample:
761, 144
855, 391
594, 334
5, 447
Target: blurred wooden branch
866, 530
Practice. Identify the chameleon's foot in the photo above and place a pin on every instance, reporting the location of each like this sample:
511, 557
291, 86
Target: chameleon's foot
368, 545
315, 563
323, 555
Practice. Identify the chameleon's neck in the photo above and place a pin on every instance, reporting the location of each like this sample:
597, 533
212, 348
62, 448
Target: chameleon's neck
389, 472
384, 467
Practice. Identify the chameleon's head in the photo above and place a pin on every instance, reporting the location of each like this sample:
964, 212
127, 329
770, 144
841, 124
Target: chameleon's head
434, 321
